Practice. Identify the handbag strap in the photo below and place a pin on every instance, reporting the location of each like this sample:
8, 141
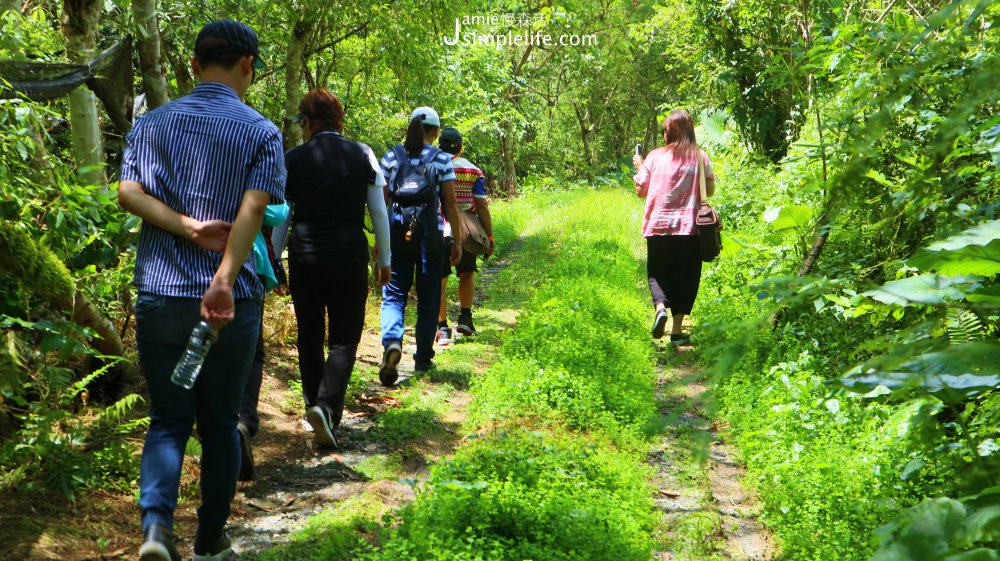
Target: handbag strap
701, 179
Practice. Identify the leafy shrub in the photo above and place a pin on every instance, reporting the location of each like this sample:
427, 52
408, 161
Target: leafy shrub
529, 495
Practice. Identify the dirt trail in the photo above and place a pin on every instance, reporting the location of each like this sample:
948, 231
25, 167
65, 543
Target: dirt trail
387, 435
709, 514
294, 482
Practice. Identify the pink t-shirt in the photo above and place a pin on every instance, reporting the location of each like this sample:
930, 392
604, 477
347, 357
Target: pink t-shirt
671, 189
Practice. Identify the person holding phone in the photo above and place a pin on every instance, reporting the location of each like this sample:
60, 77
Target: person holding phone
668, 179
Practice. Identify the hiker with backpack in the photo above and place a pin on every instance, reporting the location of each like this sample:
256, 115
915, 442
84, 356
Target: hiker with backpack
470, 196
420, 180
331, 181
669, 180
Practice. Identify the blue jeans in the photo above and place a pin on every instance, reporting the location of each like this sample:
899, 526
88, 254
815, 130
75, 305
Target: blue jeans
406, 266
163, 326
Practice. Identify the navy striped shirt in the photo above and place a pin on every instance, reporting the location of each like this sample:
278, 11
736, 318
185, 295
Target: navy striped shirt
198, 155
445, 172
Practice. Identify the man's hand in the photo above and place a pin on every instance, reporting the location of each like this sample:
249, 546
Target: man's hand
212, 235
456, 252
637, 161
217, 304
384, 276
493, 246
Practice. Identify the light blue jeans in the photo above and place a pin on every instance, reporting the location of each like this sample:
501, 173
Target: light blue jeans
405, 268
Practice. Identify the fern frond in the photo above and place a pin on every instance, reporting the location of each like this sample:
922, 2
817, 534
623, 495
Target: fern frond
964, 326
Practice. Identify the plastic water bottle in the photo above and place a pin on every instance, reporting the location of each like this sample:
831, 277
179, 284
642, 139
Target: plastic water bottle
188, 367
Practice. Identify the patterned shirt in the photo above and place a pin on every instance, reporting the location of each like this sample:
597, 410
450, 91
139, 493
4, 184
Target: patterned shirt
469, 184
198, 155
672, 192
445, 170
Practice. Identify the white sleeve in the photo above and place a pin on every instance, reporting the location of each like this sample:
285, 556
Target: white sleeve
379, 175
380, 221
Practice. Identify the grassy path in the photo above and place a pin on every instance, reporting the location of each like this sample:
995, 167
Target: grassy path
698, 485
310, 505
605, 442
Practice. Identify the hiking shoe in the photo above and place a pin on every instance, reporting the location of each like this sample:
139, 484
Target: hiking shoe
423, 365
158, 545
246, 453
443, 336
215, 548
465, 327
319, 418
390, 358
659, 324
680, 339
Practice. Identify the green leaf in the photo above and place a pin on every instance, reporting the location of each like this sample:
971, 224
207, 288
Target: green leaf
928, 288
975, 251
922, 532
982, 526
912, 468
953, 374
988, 295
788, 217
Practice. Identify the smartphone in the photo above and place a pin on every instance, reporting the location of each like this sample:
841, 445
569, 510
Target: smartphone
638, 149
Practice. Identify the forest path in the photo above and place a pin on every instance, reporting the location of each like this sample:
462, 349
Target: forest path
698, 485
388, 439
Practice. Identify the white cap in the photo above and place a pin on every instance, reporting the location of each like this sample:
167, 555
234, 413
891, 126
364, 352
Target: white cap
428, 115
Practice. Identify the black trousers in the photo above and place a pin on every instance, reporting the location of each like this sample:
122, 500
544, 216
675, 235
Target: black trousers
673, 265
333, 288
251, 392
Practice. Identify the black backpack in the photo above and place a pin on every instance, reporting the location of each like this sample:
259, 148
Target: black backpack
414, 203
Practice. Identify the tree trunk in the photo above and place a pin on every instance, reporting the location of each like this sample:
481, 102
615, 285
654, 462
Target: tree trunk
508, 179
46, 277
154, 84
79, 27
182, 74
293, 81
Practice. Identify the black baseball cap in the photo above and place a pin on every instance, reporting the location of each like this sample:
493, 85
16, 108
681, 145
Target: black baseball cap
450, 135
228, 37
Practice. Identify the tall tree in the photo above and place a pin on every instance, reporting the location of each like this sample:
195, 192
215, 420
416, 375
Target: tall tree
294, 60
79, 27
154, 84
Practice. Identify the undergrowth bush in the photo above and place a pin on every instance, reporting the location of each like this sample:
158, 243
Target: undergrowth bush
529, 495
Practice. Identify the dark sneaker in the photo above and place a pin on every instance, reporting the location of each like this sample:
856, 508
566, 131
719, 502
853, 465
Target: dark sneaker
465, 327
423, 365
319, 418
158, 545
246, 453
659, 324
390, 358
680, 339
216, 548
443, 336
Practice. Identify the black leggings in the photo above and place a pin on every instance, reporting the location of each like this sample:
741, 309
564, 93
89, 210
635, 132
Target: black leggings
335, 287
673, 265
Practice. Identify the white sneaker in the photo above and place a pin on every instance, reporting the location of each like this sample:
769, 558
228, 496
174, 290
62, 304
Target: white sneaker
323, 432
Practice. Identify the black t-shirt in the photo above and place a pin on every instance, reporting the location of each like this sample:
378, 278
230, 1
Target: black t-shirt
328, 178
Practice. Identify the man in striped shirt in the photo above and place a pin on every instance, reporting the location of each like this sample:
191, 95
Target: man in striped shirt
470, 195
199, 172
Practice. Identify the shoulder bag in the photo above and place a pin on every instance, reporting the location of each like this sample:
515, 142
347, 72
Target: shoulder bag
475, 240
707, 221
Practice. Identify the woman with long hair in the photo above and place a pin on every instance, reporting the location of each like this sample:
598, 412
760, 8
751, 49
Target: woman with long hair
668, 179
331, 182
421, 182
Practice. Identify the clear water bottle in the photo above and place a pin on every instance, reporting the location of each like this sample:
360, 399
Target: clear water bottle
188, 367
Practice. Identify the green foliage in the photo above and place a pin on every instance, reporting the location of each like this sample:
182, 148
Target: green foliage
528, 495
63, 445
563, 328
